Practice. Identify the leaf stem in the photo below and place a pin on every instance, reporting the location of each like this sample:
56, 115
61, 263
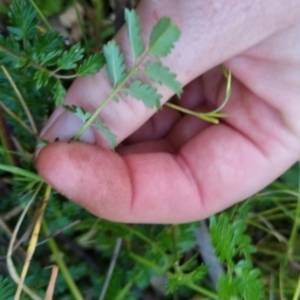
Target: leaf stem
6, 140
144, 238
41, 15
90, 121
21, 99
111, 268
211, 117
16, 118
61, 264
10, 265
192, 286
81, 27
33, 241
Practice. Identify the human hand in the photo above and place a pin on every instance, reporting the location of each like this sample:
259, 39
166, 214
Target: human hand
175, 168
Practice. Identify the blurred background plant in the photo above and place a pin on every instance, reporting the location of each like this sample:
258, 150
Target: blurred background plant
249, 251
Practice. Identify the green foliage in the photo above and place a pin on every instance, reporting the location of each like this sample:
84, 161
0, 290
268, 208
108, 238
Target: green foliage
91, 65
246, 285
233, 247
41, 66
157, 72
78, 111
146, 93
23, 20
107, 132
114, 62
178, 280
162, 40
6, 289
134, 33
70, 58
59, 93
163, 37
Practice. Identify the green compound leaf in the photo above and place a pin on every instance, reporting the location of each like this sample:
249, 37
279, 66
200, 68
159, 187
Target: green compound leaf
23, 20
92, 65
161, 74
134, 33
145, 93
107, 133
178, 280
59, 93
245, 284
70, 58
78, 111
251, 286
163, 36
41, 78
114, 62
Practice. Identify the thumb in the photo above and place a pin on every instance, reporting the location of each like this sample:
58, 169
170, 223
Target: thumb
212, 32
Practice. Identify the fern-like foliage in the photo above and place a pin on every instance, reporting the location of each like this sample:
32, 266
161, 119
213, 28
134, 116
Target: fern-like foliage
163, 36
7, 289
233, 247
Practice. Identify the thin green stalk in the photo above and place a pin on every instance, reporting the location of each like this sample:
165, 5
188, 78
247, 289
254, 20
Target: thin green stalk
98, 20
21, 99
61, 264
81, 27
32, 243
144, 238
10, 265
297, 291
209, 117
7, 141
173, 235
192, 286
228, 77
115, 91
41, 16
16, 118
111, 268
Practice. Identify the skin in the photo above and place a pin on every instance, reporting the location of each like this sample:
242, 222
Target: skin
174, 168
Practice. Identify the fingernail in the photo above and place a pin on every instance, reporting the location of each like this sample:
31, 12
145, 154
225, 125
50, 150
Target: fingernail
65, 127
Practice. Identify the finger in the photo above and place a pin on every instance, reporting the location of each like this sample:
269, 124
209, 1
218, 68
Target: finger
243, 25
216, 169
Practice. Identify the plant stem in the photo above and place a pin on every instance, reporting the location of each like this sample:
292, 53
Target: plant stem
6, 140
41, 16
90, 121
297, 291
16, 118
33, 242
111, 268
209, 117
61, 264
192, 286
144, 238
10, 265
21, 99
81, 27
